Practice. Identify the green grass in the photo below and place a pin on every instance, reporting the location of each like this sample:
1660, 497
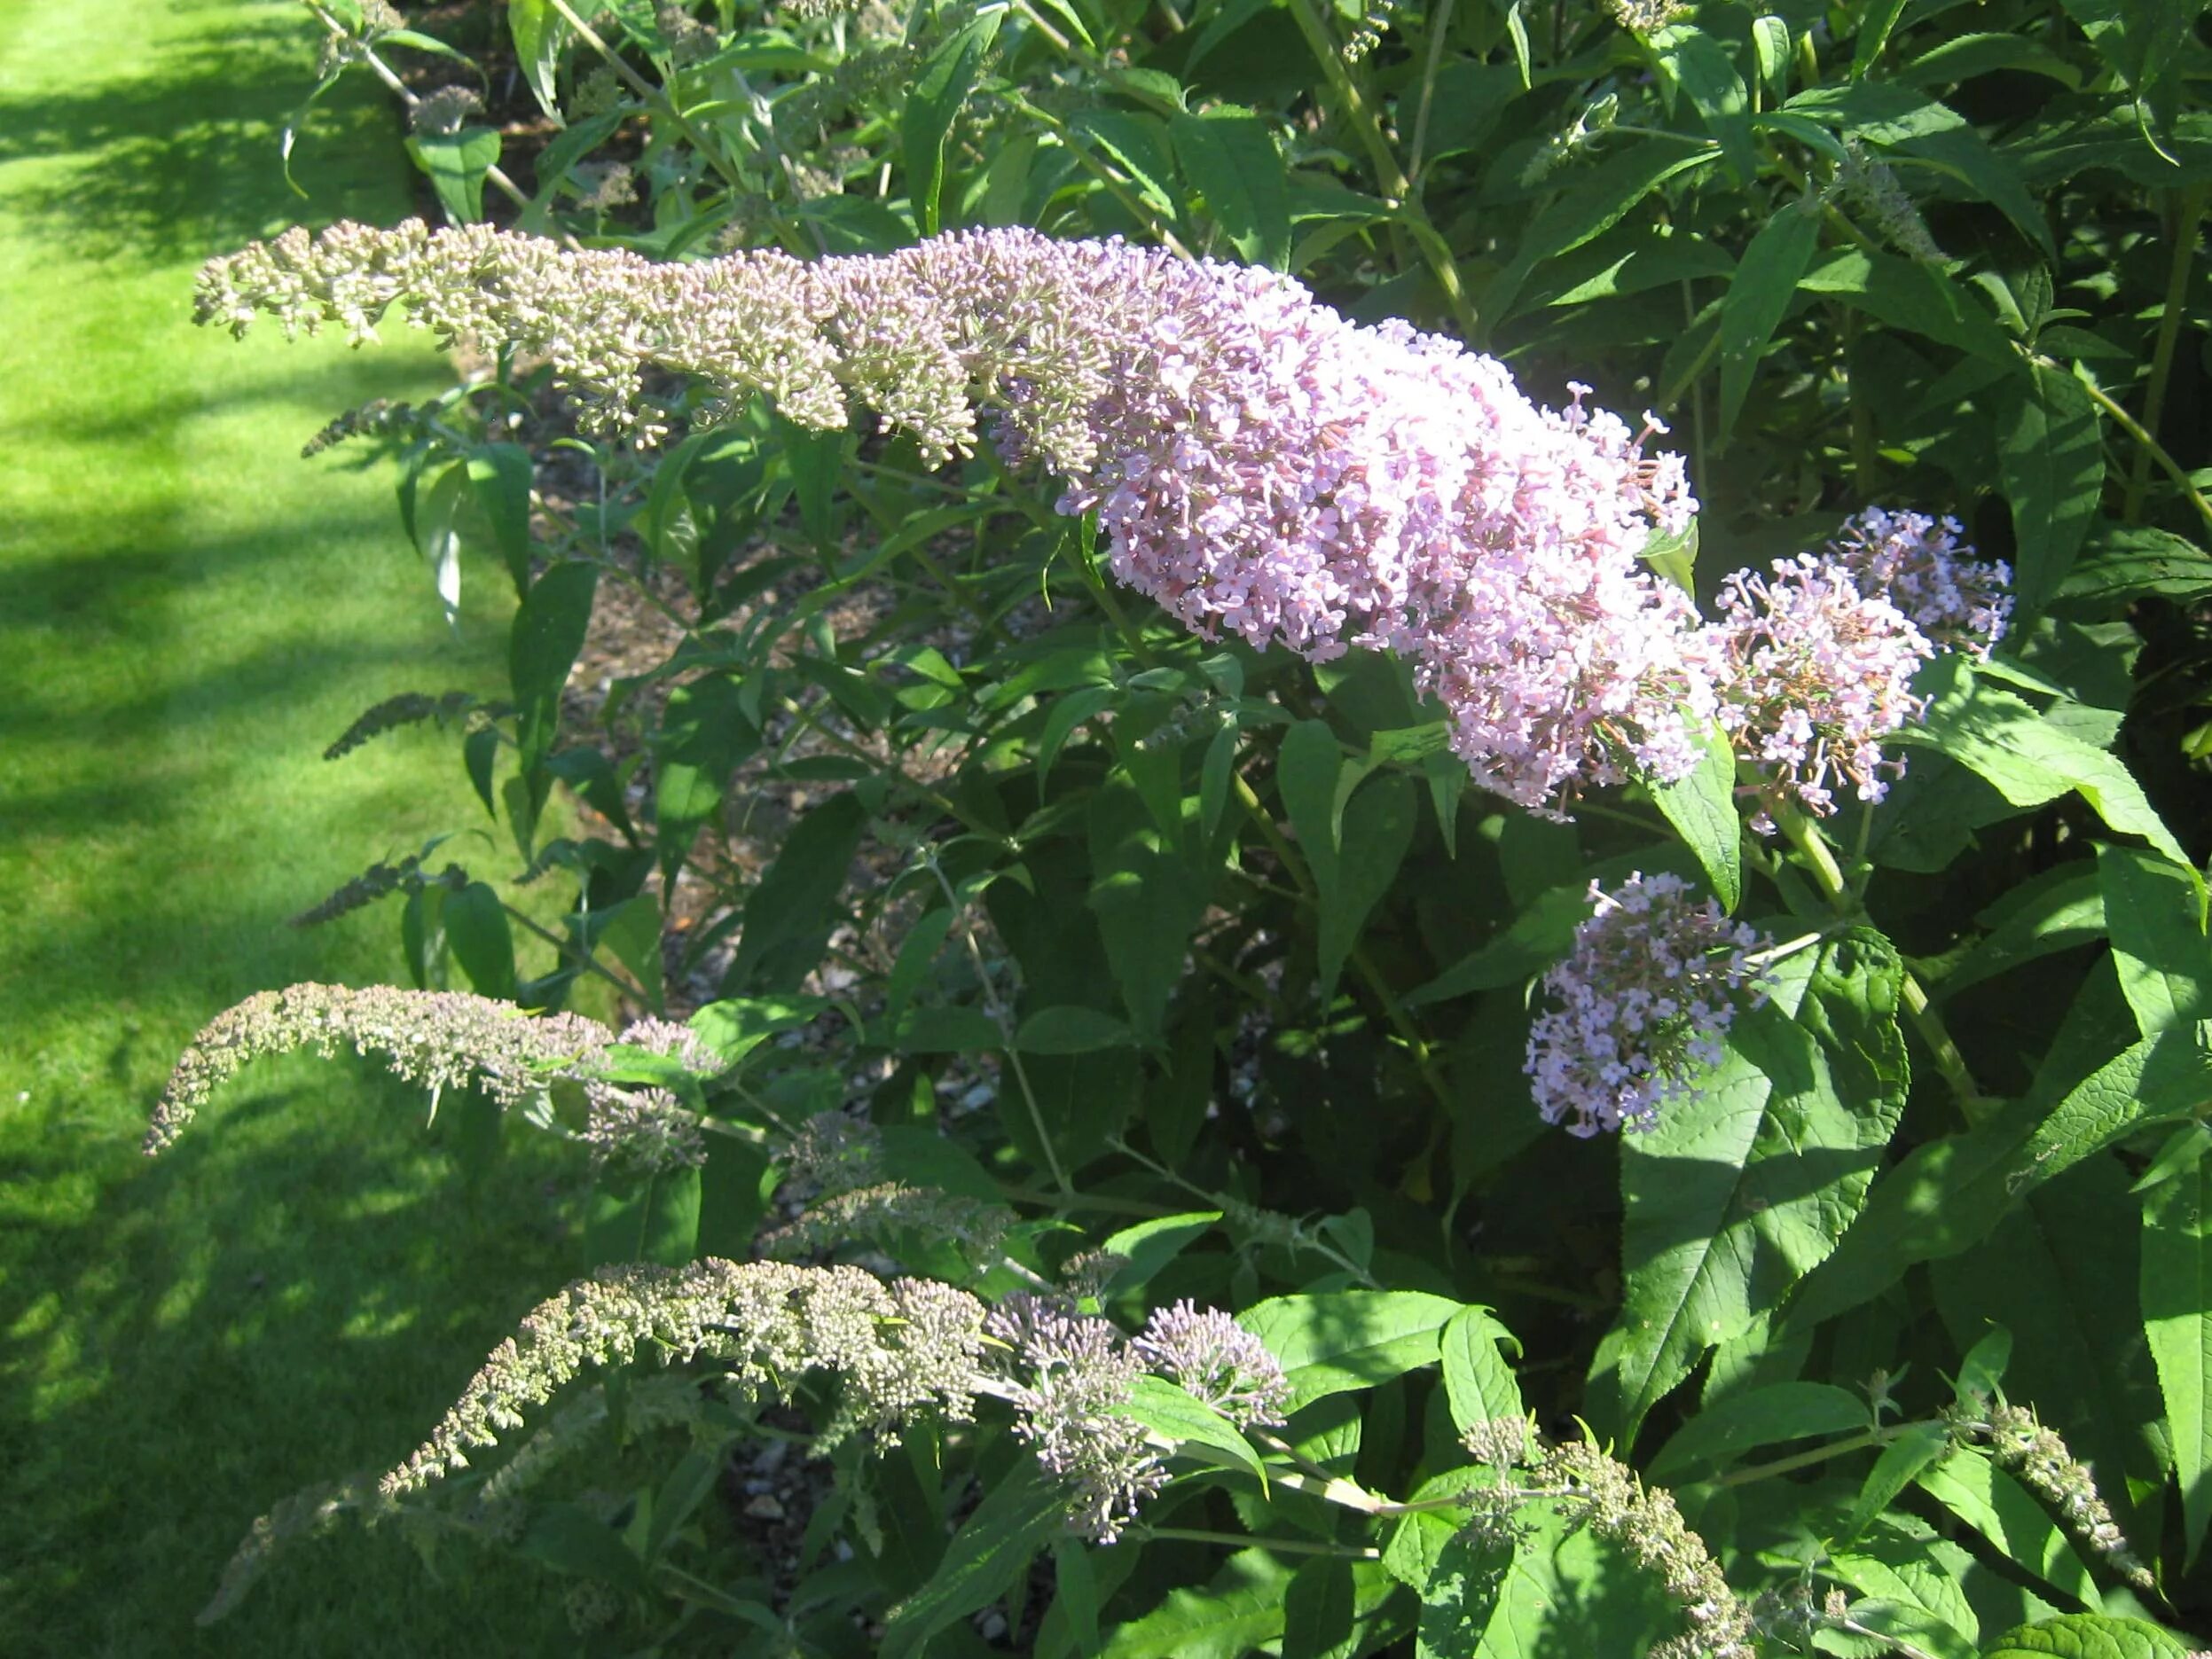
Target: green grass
188, 613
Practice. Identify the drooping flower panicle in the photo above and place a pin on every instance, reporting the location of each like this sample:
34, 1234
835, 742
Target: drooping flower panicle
1652, 983
445, 1040
1259, 464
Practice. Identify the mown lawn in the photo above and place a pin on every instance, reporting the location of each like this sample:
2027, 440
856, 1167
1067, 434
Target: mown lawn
188, 613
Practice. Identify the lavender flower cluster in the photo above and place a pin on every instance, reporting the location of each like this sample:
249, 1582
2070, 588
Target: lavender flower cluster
1071, 1376
1260, 465
1652, 983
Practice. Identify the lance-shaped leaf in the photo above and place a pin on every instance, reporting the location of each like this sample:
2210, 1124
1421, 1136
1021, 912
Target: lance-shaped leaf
1744, 1187
2176, 1292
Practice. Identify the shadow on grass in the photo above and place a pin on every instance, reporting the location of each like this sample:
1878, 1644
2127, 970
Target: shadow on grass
175, 163
275, 1341
305, 1284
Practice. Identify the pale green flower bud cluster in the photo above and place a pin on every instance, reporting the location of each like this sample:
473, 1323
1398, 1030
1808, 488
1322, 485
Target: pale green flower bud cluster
438, 1039
445, 1040
856, 1200
900, 1348
643, 1131
877, 1212
2040, 1457
1592, 1490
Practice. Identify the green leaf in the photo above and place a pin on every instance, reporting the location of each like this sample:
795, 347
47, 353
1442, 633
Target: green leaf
549, 630
631, 930
1068, 712
1756, 302
1917, 1448
2051, 460
2028, 759
1460, 1596
1240, 1610
1072, 1032
1875, 25
1306, 771
1478, 1384
705, 735
1320, 1612
931, 1030
500, 474
2052, 1274
1149, 1245
1908, 295
2167, 1079
654, 1218
574, 1539
1744, 1186
2158, 936
1913, 1593
1702, 808
1139, 145
2176, 1300
1594, 203
1169, 1411
933, 104
457, 163
916, 951
1418, 1541
1146, 901
789, 915
2061, 911
1721, 1434
431, 518
1377, 827
1990, 1502
2121, 563
483, 942
1565, 1592
1701, 65
1946, 1195
986, 1558
1229, 157
539, 33
2088, 1636
1349, 1339
1770, 39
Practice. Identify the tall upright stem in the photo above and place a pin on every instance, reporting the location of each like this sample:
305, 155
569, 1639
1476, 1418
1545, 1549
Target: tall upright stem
1821, 858
2188, 207
1358, 114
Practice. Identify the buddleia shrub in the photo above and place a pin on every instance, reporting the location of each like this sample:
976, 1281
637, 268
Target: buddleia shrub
1394, 819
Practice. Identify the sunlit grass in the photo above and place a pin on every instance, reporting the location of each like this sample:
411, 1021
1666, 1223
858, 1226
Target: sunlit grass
188, 613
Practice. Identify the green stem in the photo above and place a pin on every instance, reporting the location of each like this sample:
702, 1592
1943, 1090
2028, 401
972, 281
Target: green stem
653, 95
1237, 1541
1863, 1441
1439, 27
1358, 114
2188, 206
1806, 837
1002, 1017
1135, 206
2152, 447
